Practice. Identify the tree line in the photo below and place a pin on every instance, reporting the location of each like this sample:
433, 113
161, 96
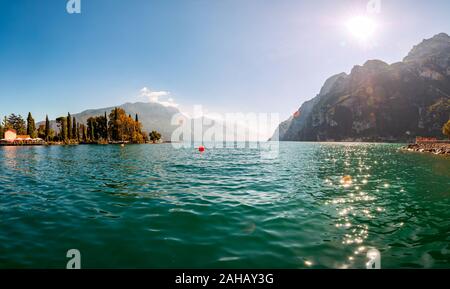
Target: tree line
17, 123
118, 126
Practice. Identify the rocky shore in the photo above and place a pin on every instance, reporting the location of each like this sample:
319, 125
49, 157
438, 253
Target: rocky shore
434, 148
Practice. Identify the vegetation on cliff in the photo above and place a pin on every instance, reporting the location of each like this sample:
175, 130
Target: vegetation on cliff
446, 129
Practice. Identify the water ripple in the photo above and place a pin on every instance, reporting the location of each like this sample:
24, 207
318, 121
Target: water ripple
316, 206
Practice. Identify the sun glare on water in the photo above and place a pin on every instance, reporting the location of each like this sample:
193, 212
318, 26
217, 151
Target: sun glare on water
361, 27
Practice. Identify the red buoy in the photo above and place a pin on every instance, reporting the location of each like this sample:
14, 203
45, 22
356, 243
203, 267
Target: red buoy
201, 149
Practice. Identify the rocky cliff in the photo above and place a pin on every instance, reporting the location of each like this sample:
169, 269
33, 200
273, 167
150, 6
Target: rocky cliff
380, 102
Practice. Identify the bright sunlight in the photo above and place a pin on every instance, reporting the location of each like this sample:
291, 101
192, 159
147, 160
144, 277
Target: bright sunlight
362, 27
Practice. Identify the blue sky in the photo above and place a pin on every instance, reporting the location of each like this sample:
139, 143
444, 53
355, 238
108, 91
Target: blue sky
228, 55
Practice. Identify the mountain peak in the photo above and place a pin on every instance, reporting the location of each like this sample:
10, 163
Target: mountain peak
369, 66
436, 46
375, 64
441, 36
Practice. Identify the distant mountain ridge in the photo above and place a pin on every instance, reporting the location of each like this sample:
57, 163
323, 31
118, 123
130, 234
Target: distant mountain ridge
153, 116
378, 101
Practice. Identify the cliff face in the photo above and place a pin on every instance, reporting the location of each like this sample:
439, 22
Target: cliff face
380, 102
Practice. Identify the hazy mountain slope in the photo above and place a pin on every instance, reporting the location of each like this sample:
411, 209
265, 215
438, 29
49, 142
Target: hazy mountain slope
153, 116
379, 102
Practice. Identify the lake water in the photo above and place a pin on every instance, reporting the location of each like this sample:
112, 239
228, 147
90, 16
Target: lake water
152, 206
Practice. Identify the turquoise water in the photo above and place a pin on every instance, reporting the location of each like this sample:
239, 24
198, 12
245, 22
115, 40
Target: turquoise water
152, 206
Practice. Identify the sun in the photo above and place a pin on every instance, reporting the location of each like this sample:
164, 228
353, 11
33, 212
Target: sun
362, 27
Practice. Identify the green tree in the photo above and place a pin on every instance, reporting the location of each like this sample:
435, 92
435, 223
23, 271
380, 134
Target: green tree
84, 132
101, 127
91, 129
47, 128
123, 127
51, 134
446, 129
41, 131
77, 132
69, 126
74, 129
154, 136
2, 131
97, 128
114, 125
106, 126
31, 126
62, 125
17, 123
5, 123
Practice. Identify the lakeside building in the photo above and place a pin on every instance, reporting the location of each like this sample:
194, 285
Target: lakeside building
11, 138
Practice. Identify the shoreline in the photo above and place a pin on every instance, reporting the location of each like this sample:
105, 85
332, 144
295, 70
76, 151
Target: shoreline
431, 147
74, 144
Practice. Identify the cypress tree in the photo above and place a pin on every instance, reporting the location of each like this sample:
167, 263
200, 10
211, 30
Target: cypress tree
106, 126
1, 131
74, 128
137, 127
83, 132
5, 123
31, 125
116, 115
69, 126
92, 130
47, 128
115, 125
78, 132
62, 121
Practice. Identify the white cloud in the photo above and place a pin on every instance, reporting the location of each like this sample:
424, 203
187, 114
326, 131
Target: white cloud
156, 97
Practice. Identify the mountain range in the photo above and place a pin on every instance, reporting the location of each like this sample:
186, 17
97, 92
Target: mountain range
379, 101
